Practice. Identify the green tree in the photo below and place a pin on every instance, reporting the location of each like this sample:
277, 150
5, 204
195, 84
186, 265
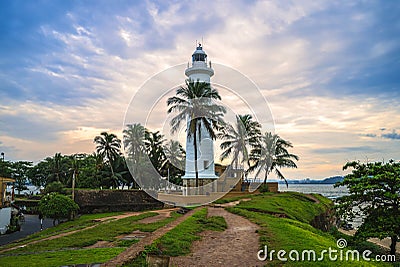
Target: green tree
174, 162
55, 186
134, 145
108, 146
5, 168
123, 172
38, 174
56, 207
134, 135
75, 168
238, 138
270, 154
57, 168
90, 171
120, 176
194, 102
374, 196
20, 170
154, 142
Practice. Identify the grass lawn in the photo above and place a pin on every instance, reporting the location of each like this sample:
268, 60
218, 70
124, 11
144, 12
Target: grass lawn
79, 223
293, 231
225, 199
102, 232
71, 249
179, 240
58, 258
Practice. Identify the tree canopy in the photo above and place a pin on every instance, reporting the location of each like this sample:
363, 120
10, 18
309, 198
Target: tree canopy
270, 154
56, 206
374, 195
238, 138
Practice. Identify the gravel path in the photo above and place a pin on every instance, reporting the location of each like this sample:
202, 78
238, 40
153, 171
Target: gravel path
236, 246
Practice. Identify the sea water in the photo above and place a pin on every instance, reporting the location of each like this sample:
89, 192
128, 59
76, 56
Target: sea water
326, 190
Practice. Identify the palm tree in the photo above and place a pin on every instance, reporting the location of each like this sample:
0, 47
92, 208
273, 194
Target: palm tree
174, 154
97, 164
193, 102
174, 162
57, 169
75, 169
56, 166
108, 146
270, 154
154, 142
237, 139
134, 139
134, 144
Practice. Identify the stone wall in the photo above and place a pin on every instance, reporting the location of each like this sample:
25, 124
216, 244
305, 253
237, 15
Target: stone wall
96, 201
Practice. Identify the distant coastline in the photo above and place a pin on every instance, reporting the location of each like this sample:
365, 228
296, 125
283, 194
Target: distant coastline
330, 180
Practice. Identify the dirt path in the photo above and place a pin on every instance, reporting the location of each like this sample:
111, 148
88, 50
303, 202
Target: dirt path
231, 204
236, 246
134, 250
162, 214
316, 200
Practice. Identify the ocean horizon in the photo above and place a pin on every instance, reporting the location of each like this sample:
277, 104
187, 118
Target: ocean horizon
326, 190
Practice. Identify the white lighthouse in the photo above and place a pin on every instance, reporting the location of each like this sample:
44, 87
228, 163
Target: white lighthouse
199, 71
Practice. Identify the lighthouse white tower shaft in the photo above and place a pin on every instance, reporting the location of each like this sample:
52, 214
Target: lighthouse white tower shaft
199, 71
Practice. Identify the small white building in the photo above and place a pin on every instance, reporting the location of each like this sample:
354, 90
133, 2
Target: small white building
199, 70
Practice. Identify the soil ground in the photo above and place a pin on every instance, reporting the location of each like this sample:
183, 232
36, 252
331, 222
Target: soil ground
236, 246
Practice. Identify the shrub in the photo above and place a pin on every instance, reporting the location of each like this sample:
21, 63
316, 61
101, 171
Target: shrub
263, 188
57, 207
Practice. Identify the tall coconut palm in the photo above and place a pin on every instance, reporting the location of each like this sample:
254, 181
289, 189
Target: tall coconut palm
75, 166
134, 139
270, 154
174, 163
134, 144
108, 146
238, 138
154, 142
194, 103
174, 154
57, 168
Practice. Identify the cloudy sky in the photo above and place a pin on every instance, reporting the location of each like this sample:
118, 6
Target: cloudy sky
329, 70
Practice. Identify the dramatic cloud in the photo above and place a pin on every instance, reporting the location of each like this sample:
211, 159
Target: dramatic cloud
393, 135
328, 70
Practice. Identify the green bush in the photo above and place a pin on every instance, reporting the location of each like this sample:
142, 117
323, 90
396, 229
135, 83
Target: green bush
263, 188
57, 187
57, 207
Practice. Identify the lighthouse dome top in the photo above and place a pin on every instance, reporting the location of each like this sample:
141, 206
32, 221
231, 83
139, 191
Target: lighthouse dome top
199, 54
200, 69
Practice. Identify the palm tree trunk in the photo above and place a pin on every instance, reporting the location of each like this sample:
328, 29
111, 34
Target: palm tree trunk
393, 245
236, 161
265, 177
73, 185
112, 170
112, 173
195, 159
